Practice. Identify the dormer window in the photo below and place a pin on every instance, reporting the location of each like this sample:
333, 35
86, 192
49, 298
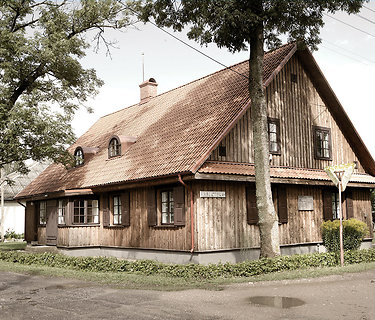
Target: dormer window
114, 148
78, 156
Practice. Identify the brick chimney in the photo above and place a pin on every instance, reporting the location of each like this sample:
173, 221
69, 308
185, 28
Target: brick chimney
148, 90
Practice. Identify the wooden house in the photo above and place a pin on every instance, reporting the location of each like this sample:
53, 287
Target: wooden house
14, 211
172, 178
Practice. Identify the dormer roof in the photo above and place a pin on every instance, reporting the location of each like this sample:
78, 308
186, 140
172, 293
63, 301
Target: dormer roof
176, 131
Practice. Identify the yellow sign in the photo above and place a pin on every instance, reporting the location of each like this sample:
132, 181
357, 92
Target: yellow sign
341, 172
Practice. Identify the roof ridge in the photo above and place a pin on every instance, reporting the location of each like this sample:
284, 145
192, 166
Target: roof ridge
199, 79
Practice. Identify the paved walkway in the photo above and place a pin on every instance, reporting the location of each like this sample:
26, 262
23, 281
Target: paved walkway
351, 296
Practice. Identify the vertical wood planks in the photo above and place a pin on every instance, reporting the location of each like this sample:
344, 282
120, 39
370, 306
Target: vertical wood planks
299, 107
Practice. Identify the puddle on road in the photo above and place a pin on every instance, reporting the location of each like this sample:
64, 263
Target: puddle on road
277, 302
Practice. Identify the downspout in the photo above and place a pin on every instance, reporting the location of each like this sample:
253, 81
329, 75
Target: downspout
190, 190
21, 204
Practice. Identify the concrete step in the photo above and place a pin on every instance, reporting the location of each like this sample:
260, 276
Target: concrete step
41, 248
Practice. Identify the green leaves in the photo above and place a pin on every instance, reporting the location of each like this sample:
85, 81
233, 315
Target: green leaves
230, 23
41, 43
189, 271
353, 233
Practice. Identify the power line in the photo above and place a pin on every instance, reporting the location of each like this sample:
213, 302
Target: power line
368, 8
351, 52
364, 18
246, 77
342, 54
187, 44
191, 47
349, 25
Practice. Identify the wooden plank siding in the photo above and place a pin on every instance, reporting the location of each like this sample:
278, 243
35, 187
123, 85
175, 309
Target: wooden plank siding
222, 222
299, 107
42, 237
137, 235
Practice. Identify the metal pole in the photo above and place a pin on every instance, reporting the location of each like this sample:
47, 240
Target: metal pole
143, 67
2, 205
341, 229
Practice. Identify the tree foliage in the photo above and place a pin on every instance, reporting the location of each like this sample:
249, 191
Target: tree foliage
231, 23
42, 82
241, 25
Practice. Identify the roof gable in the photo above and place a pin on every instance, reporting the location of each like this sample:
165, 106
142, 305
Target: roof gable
176, 131
337, 110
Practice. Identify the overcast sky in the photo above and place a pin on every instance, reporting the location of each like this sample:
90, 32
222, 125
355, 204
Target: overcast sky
346, 57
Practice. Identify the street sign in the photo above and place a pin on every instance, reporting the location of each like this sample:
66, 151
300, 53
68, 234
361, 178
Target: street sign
345, 171
340, 175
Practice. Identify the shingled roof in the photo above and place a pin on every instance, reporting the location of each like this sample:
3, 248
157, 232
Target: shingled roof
20, 181
176, 131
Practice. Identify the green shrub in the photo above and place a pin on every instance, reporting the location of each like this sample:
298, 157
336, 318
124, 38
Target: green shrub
189, 271
353, 234
11, 234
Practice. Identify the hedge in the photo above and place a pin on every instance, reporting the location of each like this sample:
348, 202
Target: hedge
150, 267
353, 234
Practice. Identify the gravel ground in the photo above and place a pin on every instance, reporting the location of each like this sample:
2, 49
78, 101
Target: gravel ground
348, 296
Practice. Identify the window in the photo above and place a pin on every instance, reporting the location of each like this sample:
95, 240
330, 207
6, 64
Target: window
78, 156
293, 77
42, 212
61, 212
335, 205
222, 151
274, 135
117, 210
114, 148
86, 211
167, 204
322, 143
166, 207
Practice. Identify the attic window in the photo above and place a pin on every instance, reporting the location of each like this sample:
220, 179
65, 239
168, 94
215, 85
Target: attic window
222, 151
114, 148
322, 138
78, 156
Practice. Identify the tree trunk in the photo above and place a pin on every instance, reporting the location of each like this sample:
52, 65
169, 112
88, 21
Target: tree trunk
268, 222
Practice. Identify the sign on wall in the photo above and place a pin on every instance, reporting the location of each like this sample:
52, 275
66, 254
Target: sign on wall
305, 203
212, 194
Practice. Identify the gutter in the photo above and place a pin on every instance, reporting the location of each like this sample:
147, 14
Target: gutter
21, 204
190, 190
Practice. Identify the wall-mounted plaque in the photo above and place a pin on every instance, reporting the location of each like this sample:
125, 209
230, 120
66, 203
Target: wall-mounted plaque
212, 194
305, 203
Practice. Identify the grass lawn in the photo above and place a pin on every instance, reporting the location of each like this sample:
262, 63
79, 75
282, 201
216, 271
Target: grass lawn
12, 245
160, 282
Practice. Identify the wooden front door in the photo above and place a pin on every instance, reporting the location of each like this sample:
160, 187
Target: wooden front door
51, 225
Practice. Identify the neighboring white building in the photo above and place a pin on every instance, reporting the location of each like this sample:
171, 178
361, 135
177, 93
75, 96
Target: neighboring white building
14, 211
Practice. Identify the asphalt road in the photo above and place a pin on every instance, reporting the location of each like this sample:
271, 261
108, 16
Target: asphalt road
351, 296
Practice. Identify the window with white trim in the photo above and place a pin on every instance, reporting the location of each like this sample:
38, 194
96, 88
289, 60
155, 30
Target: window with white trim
322, 143
85, 211
42, 212
114, 148
167, 207
78, 157
117, 210
61, 209
274, 135
335, 205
